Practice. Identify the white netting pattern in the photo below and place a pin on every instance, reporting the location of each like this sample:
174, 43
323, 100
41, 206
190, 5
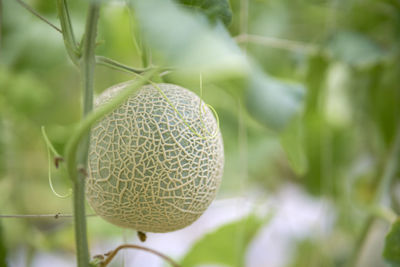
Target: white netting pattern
147, 169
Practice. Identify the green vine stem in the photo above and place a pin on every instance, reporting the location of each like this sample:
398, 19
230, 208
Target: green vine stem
84, 127
87, 64
383, 190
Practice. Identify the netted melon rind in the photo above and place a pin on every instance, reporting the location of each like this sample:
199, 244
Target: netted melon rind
147, 169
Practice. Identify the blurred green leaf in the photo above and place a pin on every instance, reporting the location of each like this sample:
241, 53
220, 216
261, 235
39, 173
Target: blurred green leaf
272, 102
311, 253
213, 9
227, 245
181, 39
391, 250
3, 141
24, 92
336, 105
3, 249
379, 96
355, 49
30, 43
292, 141
315, 82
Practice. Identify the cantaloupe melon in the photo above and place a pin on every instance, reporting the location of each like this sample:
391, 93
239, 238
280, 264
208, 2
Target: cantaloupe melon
156, 161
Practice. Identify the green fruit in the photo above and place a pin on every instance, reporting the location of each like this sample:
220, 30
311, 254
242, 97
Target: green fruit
156, 161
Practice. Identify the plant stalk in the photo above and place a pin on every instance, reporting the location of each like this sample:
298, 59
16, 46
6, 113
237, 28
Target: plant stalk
87, 64
81, 243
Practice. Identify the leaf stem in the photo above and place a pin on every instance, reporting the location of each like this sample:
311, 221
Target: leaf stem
48, 143
243, 20
67, 31
35, 13
91, 118
294, 46
113, 64
72, 46
108, 62
381, 212
138, 40
113, 253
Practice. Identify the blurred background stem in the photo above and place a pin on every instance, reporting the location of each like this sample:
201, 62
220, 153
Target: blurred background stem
382, 194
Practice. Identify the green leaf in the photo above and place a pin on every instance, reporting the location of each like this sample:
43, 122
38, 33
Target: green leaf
272, 102
187, 41
391, 250
213, 9
226, 246
355, 49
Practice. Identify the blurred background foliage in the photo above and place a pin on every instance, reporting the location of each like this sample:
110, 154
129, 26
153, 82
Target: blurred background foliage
310, 98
